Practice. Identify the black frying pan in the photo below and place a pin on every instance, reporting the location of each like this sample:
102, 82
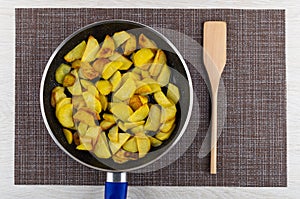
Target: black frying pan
180, 76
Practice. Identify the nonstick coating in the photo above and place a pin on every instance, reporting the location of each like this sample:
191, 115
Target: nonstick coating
99, 30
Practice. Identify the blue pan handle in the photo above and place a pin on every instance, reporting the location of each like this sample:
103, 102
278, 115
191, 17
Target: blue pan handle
115, 186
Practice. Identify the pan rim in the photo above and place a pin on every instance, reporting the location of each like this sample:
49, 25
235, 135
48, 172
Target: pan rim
45, 72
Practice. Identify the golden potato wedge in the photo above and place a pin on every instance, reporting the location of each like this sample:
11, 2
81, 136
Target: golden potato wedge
75, 89
153, 120
166, 126
62, 102
123, 156
93, 112
104, 102
115, 81
122, 126
145, 42
85, 83
76, 138
101, 149
145, 74
82, 128
93, 132
76, 53
143, 99
163, 136
131, 75
76, 64
137, 71
115, 146
154, 142
69, 135
130, 125
78, 101
159, 61
140, 114
120, 38
109, 117
85, 117
143, 89
173, 93
143, 145
61, 71
121, 110
168, 113
104, 87
65, 116
162, 99
119, 57
113, 134
85, 147
107, 48
99, 64
135, 102
91, 50
92, 102
127, 90
104, 124
130, 45
57, 94
164, 76
137, 130
69, 80
131, 145
88, 71
110, 69
142, 58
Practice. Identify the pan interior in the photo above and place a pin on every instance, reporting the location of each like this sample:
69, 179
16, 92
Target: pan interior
99, 30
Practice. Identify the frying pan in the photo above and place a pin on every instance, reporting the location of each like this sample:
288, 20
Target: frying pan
116, 185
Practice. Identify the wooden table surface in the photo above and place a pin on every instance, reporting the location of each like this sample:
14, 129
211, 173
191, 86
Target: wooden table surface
7, 45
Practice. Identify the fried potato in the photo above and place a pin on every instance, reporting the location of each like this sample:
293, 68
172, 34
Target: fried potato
145, 42
92, 102
166, 126
85, 147
76, 64
85, 117
62, 102
104, 87
69, 80
115, 81
159, 61
109, 117
101, 149
78, 101
153, 120
161, 99
143, 145
99, 64
140, 114
168, 113
131, 145
154, 142
110, 69
69, 136
163, 136
130, 125
76, 53
121, 110
120, 58
120, 38
130, 45
75, 89
103, 101
64, 116
107, 48
142, 58
135, 102
164, 76
126, 91
57, 94
82, 128
88, 71
104, 124
61, 71
113, 134
91, 50
115, 146
173, 93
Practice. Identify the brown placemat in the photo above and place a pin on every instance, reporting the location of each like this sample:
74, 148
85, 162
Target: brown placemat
252, 146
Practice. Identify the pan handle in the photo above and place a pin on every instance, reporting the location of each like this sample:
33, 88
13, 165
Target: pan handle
115, 185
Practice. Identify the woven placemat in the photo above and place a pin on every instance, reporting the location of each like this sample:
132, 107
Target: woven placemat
252, 146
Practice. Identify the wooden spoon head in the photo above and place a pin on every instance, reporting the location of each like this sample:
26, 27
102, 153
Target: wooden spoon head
214, 46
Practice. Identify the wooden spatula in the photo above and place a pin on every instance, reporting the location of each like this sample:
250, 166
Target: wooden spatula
214, 56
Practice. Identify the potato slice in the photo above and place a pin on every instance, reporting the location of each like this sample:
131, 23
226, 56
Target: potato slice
173, 93
94, 113
122, 126
113, 134
163, 136
145, 42
126, 91
104, 102
75, 89
107, 48
76, 138
101, 149
110, 69
69, 80
131, 145
145, 74
120, 38
153, 120
140, 114
130, 125
143, 145
91, 50
104, 124
86, 83
83, 116
82, 128
57, 94
137, 130
143, 89
143, 99
154, 142
123, 156
66, 100
161, 99
92, 102
164, 76
135, 102
85, 147
118, 57
93, 132
69, 135
159, 61
115, 146
104, 87
142, 58
75, 53
168, 113
64, 116
61, 71
121, 110
130, 45
166, 126
78, 101
76, 64
99, 64
88, 71
115, 81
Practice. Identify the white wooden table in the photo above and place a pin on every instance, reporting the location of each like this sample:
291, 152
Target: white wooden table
7, 45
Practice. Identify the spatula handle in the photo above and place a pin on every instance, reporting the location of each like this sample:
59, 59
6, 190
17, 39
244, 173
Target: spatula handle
214, 129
